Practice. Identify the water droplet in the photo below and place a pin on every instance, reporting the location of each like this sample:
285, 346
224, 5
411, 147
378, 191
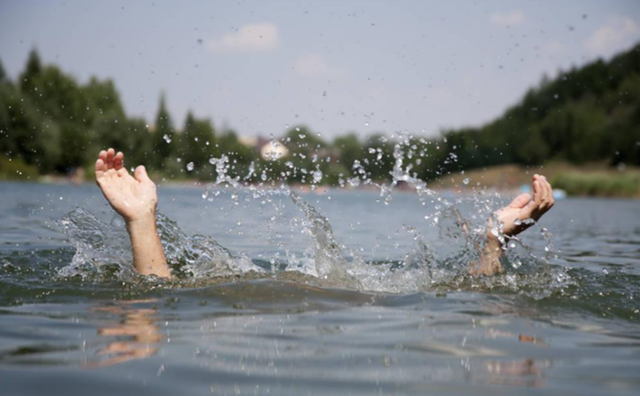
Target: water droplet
317, 176
167, 138
199, 41
190, 166
466, 181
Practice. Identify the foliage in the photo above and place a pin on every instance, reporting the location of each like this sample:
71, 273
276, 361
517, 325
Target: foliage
16, 169
52, 123
599, 184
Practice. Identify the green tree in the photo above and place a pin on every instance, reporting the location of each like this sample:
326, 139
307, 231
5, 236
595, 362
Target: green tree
162, 142
197, 143
29, 135
31, 72
3, 75
349, 149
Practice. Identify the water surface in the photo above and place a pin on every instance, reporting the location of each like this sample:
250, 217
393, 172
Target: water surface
316, 294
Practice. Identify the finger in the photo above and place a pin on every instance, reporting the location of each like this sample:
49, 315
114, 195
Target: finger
141, 174
100, 168
110, 154
550, 200
118, 160
537, 195
544, 191
520, 201
103, 156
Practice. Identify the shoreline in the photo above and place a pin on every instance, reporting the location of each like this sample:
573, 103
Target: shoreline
592, 180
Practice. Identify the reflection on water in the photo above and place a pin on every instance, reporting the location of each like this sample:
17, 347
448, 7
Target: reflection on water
525, 373
134, 335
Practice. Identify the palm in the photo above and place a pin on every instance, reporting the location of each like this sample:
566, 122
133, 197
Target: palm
517, 216
132, 198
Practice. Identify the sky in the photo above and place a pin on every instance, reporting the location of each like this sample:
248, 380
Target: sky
336, 66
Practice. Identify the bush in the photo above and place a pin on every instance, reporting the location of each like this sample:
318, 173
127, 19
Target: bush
16, 169
599, 184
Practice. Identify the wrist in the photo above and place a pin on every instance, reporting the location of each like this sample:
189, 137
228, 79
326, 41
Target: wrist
143, 223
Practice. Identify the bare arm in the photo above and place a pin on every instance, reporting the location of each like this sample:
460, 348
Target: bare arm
148, 256
135, 199
513, 220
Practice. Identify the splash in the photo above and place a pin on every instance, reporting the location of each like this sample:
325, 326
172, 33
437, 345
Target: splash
427, 265
441, 264
105, 247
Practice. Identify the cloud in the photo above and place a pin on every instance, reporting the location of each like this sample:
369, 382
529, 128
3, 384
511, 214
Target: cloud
256, 37
503, 19
615, 35
313, 65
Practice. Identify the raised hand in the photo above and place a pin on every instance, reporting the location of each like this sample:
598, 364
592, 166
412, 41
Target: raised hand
519, 215
133, 198
523, 211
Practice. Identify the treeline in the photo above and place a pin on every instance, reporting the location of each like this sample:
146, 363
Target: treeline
583, 115
51, 124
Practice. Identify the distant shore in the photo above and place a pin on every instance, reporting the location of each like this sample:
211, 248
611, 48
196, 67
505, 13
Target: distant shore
595, 180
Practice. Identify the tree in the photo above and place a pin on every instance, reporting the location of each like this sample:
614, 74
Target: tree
349, 149
29, 135
162, 141
3, 75
31, 71
197, 143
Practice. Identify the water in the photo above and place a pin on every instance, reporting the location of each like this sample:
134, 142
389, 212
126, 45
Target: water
343, 293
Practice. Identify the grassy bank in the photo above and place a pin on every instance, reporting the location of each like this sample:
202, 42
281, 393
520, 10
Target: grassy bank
624, 184
597, 179
16, 169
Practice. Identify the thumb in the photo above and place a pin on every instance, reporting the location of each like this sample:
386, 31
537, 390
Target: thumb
520, 201
141, 174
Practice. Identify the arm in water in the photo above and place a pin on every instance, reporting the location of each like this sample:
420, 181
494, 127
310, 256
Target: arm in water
512, 219
135, 199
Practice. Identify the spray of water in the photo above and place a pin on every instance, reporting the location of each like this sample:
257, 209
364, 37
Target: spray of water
428, 265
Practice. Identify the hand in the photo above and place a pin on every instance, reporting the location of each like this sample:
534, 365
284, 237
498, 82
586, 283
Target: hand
515, 217
133, 198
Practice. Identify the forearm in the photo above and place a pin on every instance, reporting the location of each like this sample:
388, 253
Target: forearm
489, 261
148, 256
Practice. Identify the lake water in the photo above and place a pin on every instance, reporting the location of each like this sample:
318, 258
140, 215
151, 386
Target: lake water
342, 293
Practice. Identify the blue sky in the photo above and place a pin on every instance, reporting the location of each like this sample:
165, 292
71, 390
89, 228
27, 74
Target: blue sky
337, 66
